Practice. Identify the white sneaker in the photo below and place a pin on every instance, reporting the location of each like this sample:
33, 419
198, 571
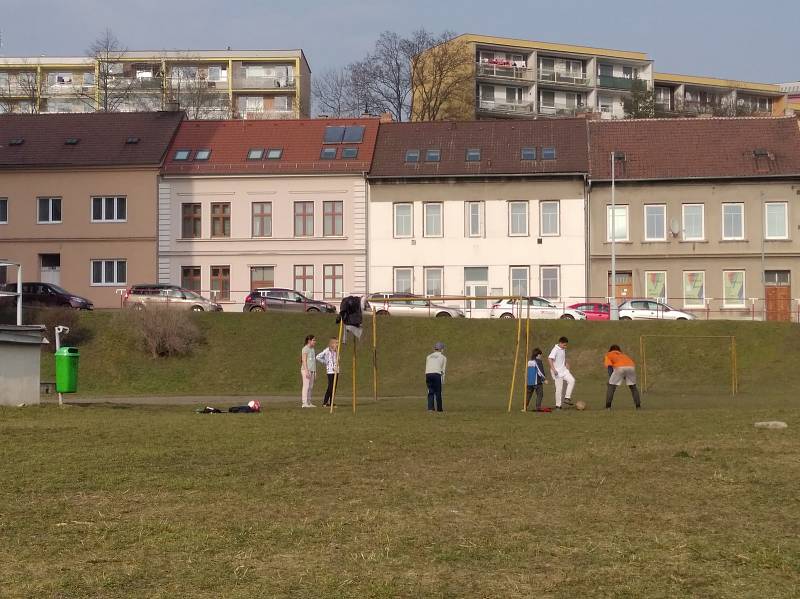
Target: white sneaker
311, 405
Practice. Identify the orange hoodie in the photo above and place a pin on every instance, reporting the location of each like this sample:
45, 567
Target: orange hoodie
616, 359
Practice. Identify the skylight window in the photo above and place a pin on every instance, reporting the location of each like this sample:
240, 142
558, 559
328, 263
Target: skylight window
328, 154
354, 134
474, 155
334, 135
182, 154
203, 154
17, 141
548, 153
433, 156
71, 141
349, 153
255, 153
132, 140
274, 153
528, 154
412, 155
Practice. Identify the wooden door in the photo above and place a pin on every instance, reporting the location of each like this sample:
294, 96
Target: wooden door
623, 288
779, 303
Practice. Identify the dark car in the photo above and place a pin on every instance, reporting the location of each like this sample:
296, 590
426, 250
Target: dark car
284, 300
49, 295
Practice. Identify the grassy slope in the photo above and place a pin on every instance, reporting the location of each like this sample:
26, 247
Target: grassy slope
258, 354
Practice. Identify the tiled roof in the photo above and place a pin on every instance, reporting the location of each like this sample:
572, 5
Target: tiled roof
500, 143
696, 148
101, 139
301, 142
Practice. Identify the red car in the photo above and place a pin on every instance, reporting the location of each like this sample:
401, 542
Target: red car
594, 311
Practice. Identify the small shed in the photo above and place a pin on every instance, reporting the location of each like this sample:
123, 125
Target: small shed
20, 355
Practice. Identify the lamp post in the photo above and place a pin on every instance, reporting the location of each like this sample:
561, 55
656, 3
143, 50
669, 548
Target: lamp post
614, 308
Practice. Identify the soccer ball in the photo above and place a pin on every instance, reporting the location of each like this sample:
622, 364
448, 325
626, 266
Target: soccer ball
580, 405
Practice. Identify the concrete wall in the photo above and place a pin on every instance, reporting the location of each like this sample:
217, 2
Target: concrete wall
19, 374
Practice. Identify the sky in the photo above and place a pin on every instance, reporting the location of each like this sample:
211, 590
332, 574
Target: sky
734, 39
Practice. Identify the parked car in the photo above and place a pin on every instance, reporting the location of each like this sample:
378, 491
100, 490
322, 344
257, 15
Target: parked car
651, 310
407, 304
593, 310
49, 295
540, 308
139, 297
276, 298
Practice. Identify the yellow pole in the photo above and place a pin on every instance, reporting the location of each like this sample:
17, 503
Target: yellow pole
516, 359
355, 350
374, 356
338, 363
526, 357
735, 366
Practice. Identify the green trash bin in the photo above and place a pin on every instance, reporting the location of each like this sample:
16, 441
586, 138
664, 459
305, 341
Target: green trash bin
67, 369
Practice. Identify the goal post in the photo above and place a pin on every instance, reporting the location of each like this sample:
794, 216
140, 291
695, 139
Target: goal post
730, 342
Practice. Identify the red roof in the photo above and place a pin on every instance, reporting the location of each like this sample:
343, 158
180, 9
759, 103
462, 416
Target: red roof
500, 144
301, 142
99, 139
695, 148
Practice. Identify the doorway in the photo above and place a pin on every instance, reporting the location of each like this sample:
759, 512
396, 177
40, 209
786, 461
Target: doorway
623, 286
476, 284
778, 295
50, 268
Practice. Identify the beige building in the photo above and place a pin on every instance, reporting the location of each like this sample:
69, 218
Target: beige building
707, 214
78, 198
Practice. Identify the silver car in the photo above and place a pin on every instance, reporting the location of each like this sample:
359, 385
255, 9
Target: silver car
406, 304
651, 310
140, 297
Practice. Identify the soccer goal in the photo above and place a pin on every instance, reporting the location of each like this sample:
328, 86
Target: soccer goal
670, 357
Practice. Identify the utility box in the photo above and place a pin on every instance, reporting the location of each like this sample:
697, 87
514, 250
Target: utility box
67, 359
20, 363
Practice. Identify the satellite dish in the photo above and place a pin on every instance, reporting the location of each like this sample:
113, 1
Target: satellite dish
675, 227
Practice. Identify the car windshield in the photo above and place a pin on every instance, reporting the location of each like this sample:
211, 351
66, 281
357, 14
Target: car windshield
58, 289
192, 295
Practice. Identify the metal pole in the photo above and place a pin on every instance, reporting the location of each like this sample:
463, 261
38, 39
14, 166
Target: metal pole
19, 295
374, 356
338, 364
613, 299
525, 357
516, 359
355, 366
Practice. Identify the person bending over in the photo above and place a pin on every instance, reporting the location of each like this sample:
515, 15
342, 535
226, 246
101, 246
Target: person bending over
621, 369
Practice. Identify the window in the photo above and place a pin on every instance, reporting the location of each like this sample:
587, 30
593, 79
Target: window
304, 279
333, 280
304, 219
49, 210
733, 289
221, 283
618, 224
777, 278
109, 272
548, 153
412, 155
432, 213
255, 153
605, 103
262, 219
403, 220
109, 209
519, 280
332, 219
274, 153
733, 221
433, 156
549, 277
328, 154
191, 221
694, 289
775, 216
403, 280
513, 95
182, 154
528, 154
549, 219
354, 134
333, 134
349, 153
262, 276
547, 99
474, 219
693, 222
3, 211
220, 219
655, 285
655, 222
517, 219
433, 281
190, 278
202, 154
473, 155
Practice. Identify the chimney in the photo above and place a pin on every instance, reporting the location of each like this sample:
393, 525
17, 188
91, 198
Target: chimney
386, 117
172, 106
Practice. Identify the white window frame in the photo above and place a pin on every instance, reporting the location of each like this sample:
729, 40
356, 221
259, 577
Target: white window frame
785, 220
398, 269
741, 209
468, 231
410, 234
626, 219
511, 280
686, 304
663, 210
542, 204
743, 303
511, 232
105, 283
50, 210
702, 236
558, 281
426, 206
666, 283
103, 209
425, 271
5, 220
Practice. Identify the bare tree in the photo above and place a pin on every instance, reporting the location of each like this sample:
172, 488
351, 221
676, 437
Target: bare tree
112, 90
20, 91
191, 87
441, 76
332, 93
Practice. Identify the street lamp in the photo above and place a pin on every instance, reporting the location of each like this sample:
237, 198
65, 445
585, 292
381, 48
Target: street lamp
615, 157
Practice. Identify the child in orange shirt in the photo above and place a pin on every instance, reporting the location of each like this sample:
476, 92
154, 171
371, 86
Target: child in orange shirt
620, 369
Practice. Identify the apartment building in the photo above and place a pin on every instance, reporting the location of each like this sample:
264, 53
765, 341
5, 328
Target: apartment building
707, 214
479, 208
78, 197
687, 95
792, 91
207, 84
249, 204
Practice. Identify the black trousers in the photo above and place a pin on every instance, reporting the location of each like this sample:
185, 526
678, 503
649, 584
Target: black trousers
326, 400
539, 390
434, 382
611, 389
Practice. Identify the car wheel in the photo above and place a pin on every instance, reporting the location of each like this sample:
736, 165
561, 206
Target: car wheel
625, 318
256, 309
382, 313
313, 310
567, 317
197, 308
444, 315
507, 315
681, 318
138, 307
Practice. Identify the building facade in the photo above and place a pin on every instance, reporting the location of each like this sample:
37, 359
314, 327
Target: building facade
247, 84
707, 214
78, 196
478, 209
244, 205
687, 95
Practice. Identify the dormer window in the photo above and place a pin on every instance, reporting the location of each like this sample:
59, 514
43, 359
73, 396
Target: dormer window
474, 155
255, 153
274, 153
182, 154
203, 154
433, 156
528, 154
412, 155
548, 153
349, 153
328, 154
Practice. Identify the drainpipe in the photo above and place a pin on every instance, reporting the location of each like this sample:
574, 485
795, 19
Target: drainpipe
587, 190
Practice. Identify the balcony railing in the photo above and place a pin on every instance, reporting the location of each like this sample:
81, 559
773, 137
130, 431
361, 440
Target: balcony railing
562, 110
71, 89
615, 82
135, 83
561, 77
267, 114
240, 82
520, 108
504, 71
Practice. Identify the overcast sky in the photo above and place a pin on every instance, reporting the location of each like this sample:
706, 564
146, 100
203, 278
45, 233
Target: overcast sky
739, 39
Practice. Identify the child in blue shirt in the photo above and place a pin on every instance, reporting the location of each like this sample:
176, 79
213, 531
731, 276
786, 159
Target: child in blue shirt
536, 379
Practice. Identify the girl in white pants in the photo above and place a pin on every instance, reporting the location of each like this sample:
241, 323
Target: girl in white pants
308, 371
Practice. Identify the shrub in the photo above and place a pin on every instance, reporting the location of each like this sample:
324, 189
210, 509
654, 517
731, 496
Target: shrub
50, 318
162, 332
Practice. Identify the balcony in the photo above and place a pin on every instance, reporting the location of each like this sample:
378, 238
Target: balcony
562, 110
135, 83
68, 89
521, 108
564, 78
267, 114
503, 71
610, 82
241, 82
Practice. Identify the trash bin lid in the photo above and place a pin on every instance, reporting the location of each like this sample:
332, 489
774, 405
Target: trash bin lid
67, 351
